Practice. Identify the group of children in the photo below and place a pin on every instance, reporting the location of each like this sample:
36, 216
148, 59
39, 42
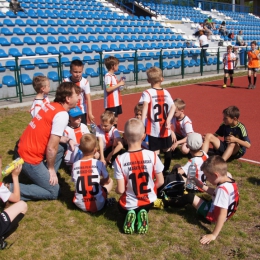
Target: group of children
159, 125
230, 60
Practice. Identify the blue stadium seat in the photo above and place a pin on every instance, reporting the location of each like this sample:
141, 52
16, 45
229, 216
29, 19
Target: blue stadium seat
52, 23
123, 47
31, 22
20, 22
41, 31
52, 50
139, 46
10, 14
10, 64
81, 30
86, 49
41, 22
118, 38
104, 47
30, 31
75, 49
53, 75
38, 74
90, 30
8, 23
110, 38
89, 60
91, 72
73, 39
14, 52
64, 50
131, 67
62, 23
28, 51
66, 74
9, 81
92, 38
6, 31
52, 40
65, 61
126, 38
95, 48
2, 15
114, 47
148, 65
130, 46
41, 51
53, 62
83, 39
62, 30
63, 39
4, 42
27, 65
101, 38
141, 67
40, 64
72, 30
79, 23
28, 40
40, 40
52, 31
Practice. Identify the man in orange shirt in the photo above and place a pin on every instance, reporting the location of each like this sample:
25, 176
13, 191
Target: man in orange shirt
39, 144
253, 64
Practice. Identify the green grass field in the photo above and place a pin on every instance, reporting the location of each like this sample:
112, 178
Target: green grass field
58, 230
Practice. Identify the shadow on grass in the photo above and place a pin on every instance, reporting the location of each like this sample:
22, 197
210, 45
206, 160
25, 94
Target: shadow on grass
254, 180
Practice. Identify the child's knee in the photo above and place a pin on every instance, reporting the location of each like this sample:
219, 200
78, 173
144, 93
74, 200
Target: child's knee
185, 149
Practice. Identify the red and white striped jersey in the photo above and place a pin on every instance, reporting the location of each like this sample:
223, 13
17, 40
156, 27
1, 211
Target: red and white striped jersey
138, 169
85, 90
89, 194
228, 62
182, 127
76, 133
198, 160
225, 196
159, 104
37, 105
107, 137
111, 99
4, 192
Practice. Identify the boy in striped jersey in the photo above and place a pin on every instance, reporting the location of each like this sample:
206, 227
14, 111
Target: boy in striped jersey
225, 197
90, 189
158, 110
139, 174
235, 136
41, 85
228, 59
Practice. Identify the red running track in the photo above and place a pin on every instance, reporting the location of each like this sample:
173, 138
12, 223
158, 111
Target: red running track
204, 105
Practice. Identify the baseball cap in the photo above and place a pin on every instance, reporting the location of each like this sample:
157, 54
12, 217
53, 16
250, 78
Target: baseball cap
194, 141
75, 112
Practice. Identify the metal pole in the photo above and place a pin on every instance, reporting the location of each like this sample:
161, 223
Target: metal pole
182, 63
60, 69
18, 79
101, 70
136, 68
218, 55
201, 62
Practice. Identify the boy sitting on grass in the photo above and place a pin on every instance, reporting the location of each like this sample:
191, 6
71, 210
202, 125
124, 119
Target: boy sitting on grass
138, 173
12, 215
225, 196
235, 136
90, 190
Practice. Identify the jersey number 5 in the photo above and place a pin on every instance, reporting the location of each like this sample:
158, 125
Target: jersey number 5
140, 187
80, 185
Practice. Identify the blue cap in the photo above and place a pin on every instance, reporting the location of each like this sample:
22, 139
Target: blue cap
75, 112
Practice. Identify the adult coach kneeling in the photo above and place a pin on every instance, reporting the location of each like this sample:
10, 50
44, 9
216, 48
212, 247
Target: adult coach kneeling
39, 145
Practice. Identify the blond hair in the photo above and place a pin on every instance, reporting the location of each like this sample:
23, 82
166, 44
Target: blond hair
88, 143
39, 82
179, 103
154, 75
108, 116
134, 130
215, 164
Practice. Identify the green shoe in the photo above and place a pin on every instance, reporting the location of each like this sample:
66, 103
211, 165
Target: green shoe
129, 225
142, 219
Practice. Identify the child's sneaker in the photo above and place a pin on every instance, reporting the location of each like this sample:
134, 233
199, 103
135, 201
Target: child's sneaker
3, 244
142, 222
250, 86
158, 204
129, 225
231, 85
224, 86
253, 87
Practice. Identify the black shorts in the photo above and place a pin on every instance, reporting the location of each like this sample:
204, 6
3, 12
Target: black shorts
157, 143
230, 72
125, 211
222, 148
116, 110
5, 223
254, 69
179, 137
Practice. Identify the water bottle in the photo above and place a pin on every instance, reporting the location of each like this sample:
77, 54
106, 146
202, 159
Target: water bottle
190, 184
122, 87
11, 166
93, 128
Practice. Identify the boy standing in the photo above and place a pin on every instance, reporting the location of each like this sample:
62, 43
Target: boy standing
158, 110
225, 196
84, 103
11, 216
235, 136
41, 85
253, 64
112, 96
135, 172
228, 59
90, 191
109, 139
182, 126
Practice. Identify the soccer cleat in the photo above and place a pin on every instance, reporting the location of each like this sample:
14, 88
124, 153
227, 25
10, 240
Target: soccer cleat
250, 86
129, 225
3, 244
231, 85
253, 87
224, 86
158, 204
142, 222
